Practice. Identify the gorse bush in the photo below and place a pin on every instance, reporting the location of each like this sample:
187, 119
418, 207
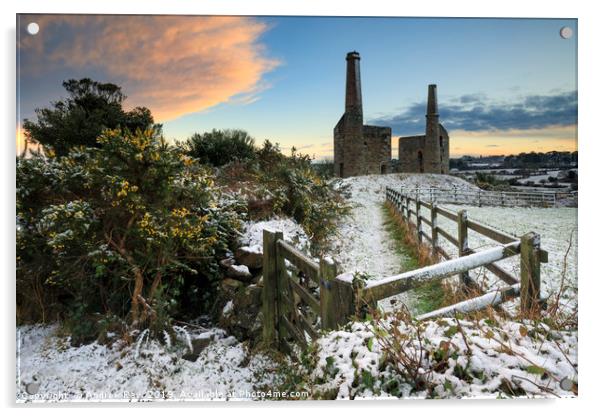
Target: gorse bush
220, 147
131, 229
288, 186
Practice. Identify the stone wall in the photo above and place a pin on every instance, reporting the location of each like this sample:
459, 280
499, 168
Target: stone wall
376, 149
360, 150
409, 148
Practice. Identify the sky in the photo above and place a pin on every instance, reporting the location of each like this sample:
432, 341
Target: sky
505, 85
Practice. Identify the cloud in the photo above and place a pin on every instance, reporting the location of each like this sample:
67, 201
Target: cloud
475, 112
174, 65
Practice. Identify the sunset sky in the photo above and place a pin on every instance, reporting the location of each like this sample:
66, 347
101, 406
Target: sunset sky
505, 85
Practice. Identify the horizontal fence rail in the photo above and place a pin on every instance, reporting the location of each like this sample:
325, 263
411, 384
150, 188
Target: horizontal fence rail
375, 290
487, 198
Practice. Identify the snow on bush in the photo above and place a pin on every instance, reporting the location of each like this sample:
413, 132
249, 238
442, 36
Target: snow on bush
446, 358
292, 233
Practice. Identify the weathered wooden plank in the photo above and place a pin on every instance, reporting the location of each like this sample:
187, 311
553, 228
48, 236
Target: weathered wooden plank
434, 232
498, 271
448, 214
447, 236
426, 221
418, 222
307, 297
270, 287
300, 260
463, 244
294, 331
496, 235
530, 269
328, 305
307, 326
283, 305
393, 285
493, 299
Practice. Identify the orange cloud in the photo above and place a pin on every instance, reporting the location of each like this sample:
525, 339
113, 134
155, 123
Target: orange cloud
174, 65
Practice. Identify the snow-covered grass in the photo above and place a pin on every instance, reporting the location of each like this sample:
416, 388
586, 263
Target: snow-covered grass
445, 358
55, 371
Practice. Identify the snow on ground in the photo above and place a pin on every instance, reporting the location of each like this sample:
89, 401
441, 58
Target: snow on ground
460, 358
362, 243
556, 226
54, 371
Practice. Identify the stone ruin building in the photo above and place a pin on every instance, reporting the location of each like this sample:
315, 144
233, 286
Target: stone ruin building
361, 150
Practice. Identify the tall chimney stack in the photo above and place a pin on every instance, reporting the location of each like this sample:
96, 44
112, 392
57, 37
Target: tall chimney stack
353, 91
432, 142
432, 108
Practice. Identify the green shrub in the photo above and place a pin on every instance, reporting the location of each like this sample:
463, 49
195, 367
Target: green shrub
132, 229
297, 190
220, 147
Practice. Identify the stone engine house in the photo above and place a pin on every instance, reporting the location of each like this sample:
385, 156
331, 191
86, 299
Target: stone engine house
361, 150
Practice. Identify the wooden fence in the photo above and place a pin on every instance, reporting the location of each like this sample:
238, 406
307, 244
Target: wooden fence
300, 296
488, 198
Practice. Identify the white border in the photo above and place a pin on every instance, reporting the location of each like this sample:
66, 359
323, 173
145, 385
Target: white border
589, 148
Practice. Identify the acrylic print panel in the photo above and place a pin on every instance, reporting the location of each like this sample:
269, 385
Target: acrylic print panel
258, 208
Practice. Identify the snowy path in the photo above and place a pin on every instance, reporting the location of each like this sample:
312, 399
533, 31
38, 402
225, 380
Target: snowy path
363, 244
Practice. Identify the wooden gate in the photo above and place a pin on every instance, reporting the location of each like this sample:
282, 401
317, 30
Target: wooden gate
300, 296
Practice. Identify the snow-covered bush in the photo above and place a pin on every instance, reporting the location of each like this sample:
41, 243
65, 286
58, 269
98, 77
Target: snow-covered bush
281, 185
395, 356
133, 229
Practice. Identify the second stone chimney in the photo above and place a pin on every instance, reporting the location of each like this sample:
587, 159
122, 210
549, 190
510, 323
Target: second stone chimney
353, 89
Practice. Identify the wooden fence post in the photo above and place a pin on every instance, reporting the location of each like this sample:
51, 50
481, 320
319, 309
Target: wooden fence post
418, 221
530, 270
434, 233
463, 244
328, 295
402, 209
270, 287
283, 308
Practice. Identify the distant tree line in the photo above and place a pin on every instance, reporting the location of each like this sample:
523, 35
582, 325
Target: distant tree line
531, 160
